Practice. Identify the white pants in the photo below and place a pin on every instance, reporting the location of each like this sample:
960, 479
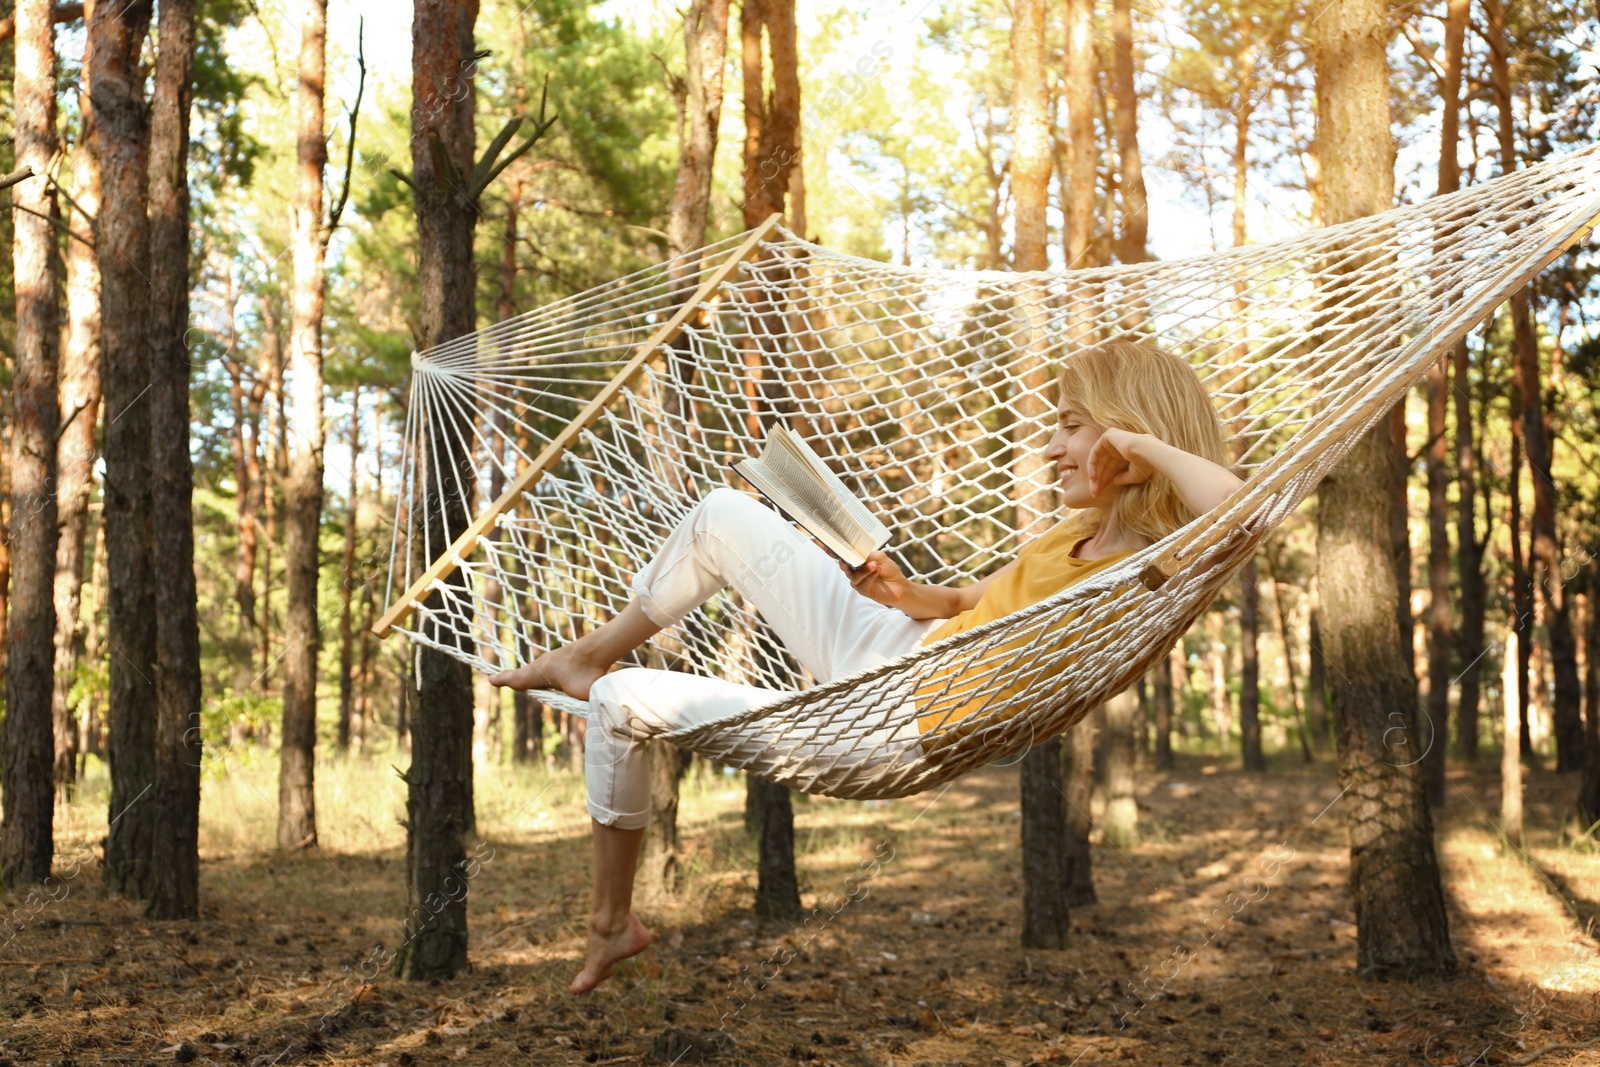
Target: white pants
732, 539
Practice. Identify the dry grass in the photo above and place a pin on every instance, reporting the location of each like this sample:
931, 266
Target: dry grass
922, 969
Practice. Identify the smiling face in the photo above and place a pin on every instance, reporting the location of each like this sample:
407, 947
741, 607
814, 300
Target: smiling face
1070, 447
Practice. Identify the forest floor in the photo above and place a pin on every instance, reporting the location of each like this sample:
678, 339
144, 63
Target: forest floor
916, 966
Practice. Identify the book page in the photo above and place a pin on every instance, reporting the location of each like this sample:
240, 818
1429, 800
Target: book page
797, 509
863, 529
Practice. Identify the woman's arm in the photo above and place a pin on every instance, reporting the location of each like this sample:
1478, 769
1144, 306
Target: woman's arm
879, 579
1123, 458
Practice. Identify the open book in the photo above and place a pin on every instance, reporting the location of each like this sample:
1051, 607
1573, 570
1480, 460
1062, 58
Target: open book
794, 478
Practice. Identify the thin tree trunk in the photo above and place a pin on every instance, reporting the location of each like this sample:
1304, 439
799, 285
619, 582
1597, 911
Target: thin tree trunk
1164, 705
175, 854
1469, 560
347, 570
1317, 680
1250, 668
91, 723
1121, 821
297, 809
76, 449
1079, 774
26, 844
439, 817
1589, 785
1521, 574
122, 246
1512, 701
1133, 235
1441, 622
1401, 925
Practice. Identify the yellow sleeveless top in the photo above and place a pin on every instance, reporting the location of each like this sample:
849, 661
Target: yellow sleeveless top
1044, 566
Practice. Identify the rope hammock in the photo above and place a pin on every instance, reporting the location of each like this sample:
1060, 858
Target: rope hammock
547, 456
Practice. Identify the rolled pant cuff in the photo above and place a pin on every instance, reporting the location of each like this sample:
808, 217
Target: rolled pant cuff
617, 819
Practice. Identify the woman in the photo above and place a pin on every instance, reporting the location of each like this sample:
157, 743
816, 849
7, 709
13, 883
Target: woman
1139, 450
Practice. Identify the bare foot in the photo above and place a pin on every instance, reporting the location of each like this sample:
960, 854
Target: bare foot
608, 949
561, 668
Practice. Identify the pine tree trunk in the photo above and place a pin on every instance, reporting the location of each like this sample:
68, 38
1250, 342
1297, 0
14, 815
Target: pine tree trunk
705, 41
1250, 668
91, 722
1133, 233
439, 781
175, 853
26, 843
1469, 560
297, 809
1402, 929
1120, 823
347, 571
1589, 785
77, 447
1162, 672
1512, 703
122, 246
1317, 681
1079, 771
1079, 82
1046, 848
1441, 621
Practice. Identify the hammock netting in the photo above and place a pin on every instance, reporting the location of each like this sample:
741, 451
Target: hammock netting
547, 456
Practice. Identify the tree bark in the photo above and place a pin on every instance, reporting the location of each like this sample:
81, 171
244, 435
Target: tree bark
26, 843
1133, 234
77, 447
1401, 926
122, 247
1469, 560
1030, 136
1317, 680
1250, 669
439, 781
1121, 821
1162, 672
297, 809
1046, 848
705, 42
175, 853
1441, 621
1079, 772
1079, 81
347, 571
1512, 702
1589, 784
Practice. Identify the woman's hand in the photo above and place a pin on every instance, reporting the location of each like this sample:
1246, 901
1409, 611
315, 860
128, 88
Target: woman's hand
1112, 461
879, 579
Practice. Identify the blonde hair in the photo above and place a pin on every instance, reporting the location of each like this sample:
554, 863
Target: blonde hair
1140, 388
